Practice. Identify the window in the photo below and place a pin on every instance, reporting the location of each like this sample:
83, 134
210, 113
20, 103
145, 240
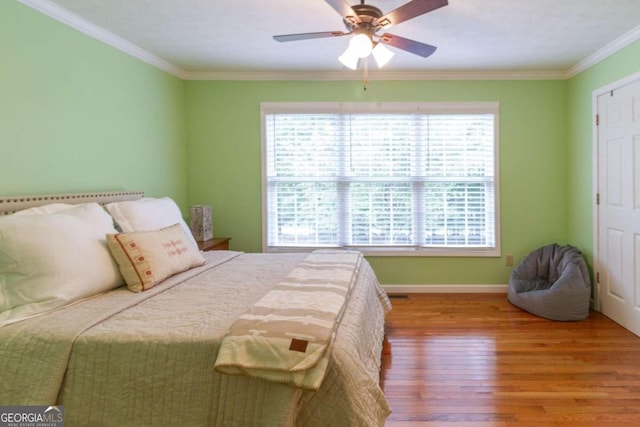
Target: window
389, 178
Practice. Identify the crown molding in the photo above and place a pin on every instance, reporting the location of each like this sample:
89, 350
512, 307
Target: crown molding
613, 47
74, 21
377, 75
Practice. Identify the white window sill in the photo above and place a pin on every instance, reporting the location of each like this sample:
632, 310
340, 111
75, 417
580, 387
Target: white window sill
398, 251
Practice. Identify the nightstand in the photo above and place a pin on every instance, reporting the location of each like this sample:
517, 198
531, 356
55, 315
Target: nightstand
215, 244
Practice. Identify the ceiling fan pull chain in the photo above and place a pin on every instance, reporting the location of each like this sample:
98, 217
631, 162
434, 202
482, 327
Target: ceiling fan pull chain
366, 73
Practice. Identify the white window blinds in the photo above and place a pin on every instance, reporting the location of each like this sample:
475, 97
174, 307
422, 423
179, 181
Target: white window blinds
380, 179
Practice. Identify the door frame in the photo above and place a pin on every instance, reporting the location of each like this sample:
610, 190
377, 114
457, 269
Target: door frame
632, 78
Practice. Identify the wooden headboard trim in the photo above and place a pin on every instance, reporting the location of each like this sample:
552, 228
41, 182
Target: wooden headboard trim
12, 204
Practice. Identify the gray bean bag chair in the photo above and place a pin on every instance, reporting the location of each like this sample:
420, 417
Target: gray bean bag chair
552, 282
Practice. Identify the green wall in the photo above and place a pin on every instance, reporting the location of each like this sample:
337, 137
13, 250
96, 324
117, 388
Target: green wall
78, 115
224, 163
580, 139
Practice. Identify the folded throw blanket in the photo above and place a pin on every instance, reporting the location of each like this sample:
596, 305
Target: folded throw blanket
286, 336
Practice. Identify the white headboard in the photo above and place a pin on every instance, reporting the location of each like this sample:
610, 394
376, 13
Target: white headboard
9, 205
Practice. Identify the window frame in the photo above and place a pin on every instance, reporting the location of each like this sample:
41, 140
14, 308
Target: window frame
267, 108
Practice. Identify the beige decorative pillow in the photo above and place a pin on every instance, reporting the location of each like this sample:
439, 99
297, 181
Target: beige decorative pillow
146, 258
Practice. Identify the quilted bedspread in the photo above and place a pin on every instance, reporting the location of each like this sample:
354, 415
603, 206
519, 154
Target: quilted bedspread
148, 359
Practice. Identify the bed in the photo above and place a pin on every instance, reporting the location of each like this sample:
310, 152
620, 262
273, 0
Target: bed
148, 357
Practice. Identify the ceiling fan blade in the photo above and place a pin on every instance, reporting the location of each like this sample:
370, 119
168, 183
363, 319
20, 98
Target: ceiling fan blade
412, 46
305, 36
410, 10
345, 10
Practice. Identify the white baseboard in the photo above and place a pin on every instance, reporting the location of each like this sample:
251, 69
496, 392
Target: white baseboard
444, 289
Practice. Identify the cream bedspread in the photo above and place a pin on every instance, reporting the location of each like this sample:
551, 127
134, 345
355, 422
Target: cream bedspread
147, 359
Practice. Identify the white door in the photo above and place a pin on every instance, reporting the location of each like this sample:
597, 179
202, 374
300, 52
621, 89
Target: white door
618, 163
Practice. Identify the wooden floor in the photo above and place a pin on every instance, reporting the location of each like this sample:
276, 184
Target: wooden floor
476, 360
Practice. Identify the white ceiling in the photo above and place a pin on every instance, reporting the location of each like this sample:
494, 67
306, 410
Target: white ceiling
196, 37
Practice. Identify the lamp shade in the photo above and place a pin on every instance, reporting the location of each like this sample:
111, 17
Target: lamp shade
349, 59
201, 222
381, 54
361, 45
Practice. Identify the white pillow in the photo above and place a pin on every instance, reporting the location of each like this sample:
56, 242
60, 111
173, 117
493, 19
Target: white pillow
50, 260
148, 214
146, 258
45, 209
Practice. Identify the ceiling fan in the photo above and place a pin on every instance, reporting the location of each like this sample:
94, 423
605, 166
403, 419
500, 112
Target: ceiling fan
364, 22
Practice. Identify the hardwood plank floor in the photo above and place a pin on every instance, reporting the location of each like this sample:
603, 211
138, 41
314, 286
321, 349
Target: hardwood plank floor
476, 360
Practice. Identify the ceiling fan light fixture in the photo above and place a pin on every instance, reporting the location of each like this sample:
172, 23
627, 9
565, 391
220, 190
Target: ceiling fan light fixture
349, 59
361, 45
364, 22
381, 54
